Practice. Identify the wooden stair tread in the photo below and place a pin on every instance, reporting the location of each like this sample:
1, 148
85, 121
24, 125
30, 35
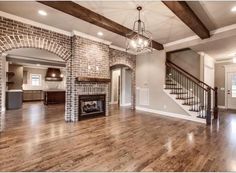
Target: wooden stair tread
191, 103
193, 110
184, 98
174, 88
171, 84
178, 93
202, 117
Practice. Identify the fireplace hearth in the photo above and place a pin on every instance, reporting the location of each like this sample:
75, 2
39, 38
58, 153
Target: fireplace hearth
92, 106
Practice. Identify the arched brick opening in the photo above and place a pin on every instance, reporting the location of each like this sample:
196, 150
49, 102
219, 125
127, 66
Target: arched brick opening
27, 41
122, 62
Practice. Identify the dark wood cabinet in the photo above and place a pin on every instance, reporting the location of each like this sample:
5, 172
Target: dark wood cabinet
54, 97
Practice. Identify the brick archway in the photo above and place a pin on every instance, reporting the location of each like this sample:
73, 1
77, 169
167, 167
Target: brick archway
27, 41
130, 63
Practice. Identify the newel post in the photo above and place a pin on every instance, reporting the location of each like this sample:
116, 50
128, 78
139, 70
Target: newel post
216, 103
208, 116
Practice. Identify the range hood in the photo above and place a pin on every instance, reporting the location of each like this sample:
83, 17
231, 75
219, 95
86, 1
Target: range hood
54, 74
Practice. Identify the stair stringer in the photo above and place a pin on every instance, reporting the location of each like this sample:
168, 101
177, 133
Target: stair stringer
193, 115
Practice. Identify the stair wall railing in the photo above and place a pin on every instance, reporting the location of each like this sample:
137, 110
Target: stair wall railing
198, 95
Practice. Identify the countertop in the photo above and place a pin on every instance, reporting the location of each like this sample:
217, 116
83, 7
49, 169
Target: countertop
14, 90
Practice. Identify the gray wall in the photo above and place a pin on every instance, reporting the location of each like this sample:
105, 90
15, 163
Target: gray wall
127, 86
150, 73
189, 60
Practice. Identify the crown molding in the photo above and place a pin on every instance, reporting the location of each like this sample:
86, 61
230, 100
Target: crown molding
33, 23
90, 37
215, 34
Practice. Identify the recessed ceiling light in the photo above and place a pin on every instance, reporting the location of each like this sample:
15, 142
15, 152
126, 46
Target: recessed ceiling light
100, 33
42, 13
233, 9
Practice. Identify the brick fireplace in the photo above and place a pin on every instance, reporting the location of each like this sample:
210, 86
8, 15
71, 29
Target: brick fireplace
92, 106
92, 94
84, 55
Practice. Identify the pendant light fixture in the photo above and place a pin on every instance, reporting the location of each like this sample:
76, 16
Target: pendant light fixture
139, 40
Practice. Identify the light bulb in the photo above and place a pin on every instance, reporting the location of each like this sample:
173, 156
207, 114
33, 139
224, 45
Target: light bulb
53, 75
61, 75
133, 44
140, 41
145, 43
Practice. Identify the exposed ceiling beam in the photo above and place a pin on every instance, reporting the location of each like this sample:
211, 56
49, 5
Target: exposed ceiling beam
87, 15
186, 14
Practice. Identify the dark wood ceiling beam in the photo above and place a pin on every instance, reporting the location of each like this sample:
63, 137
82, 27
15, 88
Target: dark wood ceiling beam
186, 14
87, 15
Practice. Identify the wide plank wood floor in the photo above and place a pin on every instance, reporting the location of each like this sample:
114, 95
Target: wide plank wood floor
36, 138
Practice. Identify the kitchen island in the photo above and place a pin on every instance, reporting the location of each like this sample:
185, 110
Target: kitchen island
54, 97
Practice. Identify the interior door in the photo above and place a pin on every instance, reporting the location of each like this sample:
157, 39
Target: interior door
231, 90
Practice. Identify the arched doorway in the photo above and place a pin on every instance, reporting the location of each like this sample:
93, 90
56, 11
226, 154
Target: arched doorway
15, 42
122, 87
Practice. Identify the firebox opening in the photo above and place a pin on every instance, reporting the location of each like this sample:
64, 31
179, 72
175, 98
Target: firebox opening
91, 106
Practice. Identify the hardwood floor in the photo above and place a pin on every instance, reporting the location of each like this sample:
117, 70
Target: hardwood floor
36, 138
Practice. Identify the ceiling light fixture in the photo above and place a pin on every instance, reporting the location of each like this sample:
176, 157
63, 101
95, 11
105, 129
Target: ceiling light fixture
100, 33
42, 13
233, 9
139, 39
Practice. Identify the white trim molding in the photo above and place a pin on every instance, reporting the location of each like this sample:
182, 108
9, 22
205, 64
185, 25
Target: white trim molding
126, 104
33, 23
171, 114
217, 34
90, 37
221, 107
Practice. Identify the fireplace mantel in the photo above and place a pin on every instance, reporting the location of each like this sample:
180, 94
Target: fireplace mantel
90, 79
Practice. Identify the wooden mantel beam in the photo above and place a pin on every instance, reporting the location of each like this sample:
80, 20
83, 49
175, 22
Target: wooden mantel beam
87, 15
186, 14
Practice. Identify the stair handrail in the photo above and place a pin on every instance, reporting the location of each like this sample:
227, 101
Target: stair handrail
208, 88
187, 73
187, 77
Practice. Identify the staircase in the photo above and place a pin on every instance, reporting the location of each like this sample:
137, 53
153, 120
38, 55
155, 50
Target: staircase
198, 99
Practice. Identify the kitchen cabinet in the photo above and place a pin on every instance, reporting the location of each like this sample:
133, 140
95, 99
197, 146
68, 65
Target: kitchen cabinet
54, 97
32, 95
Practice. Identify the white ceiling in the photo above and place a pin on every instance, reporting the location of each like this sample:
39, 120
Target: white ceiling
219, 12
164, 25
219, 49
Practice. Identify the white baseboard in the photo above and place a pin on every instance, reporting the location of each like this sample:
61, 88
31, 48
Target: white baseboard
126, 104
113, 103
222, 107
170, 114
3, 110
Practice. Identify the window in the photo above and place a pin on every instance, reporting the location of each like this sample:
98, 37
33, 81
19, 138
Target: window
35, 79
